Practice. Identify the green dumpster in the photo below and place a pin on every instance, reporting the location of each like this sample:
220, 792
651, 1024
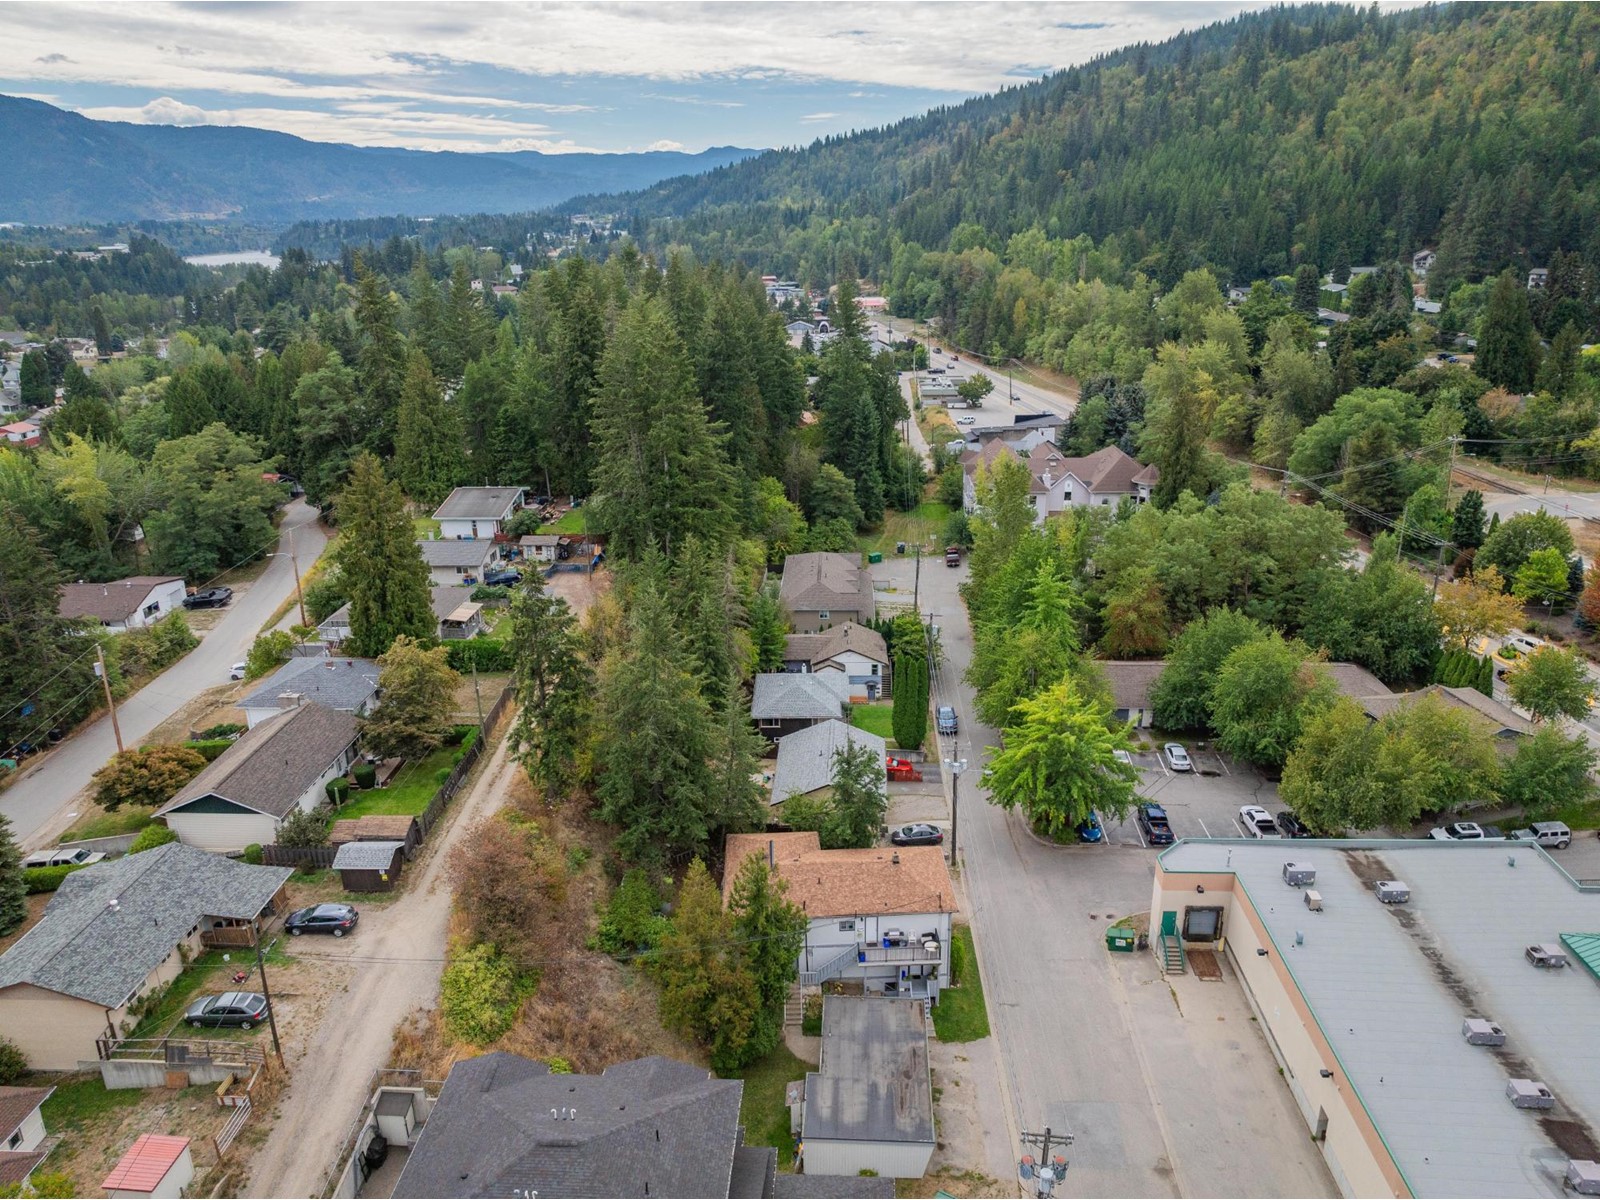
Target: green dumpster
875, 557
1119, 939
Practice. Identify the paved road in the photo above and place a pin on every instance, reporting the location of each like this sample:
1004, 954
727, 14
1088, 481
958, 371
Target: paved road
1030, 398
34, 801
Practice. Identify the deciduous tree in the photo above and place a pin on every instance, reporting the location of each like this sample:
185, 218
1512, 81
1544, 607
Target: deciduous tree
146, 777
1552, 682
419, 698
1262, 696
1475, 607
1549, 772
1181, 697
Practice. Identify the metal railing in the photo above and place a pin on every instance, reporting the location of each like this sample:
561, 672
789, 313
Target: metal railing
900, 955
831, 969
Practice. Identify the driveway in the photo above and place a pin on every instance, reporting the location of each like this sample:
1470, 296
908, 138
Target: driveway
38, 802
1164, 1096
395, 961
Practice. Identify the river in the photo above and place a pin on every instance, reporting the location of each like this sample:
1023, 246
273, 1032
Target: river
260, 258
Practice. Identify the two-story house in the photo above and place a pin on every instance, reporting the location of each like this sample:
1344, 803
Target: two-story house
881, 915
824, 589
477, 512
1099, 480
782, 703
851, 650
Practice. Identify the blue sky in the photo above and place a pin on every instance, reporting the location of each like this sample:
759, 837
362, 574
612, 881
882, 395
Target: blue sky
553, 77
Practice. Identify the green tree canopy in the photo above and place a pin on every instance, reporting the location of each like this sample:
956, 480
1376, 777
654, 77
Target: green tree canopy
1181, 697
1262, 696
419, 699
380, 563
1552, 682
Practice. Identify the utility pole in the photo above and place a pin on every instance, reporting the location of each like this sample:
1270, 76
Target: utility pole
266, 992
105, 681
479, 696
1047, 1172
1438, 570
916, 579
956, 766
298, 594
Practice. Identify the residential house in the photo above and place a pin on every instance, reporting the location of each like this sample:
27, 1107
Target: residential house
116, 931
279, 767
156, 1167
1422, 262
1133, 680
868, 1107
805, 758
879, 916
852, 650
1538, 279
369, 866
348, 685
11, 384
123, 604
977, 460
1026, 431
1425, 306
22, 1134
458, 618
824, 589
540, 547
1331, 316
872, 304
1100, 480
477, 512
454, 561
782, 703
503, 1125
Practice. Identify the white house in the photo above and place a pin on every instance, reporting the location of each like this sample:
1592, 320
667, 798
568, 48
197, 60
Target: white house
540, 547
280, 767
22, 1133
156, 1167
1099, 480
880, 916
853, 650
457, 560
1422, 262
477, 512
123, 604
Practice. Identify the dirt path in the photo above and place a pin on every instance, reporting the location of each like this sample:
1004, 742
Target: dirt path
394, 962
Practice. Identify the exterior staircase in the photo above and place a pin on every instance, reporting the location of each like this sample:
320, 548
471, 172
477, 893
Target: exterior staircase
794, 1009
1173, 959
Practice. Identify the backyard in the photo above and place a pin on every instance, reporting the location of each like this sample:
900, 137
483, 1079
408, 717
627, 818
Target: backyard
960, 1015
874, 718
572, 521
411, 790
761, 1109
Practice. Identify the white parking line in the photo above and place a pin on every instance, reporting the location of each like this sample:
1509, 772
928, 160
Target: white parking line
1162, 764
1203, 828
1243, 832
1224, 763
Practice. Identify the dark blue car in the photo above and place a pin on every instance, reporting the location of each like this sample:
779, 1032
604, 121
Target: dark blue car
1089, 829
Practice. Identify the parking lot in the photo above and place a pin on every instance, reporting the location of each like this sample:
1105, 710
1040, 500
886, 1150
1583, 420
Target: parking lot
1201, 803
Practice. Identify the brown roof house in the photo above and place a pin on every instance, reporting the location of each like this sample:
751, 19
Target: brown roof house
1100, 480
123, 604
281, 766
824, 589
1495, 720
22, 1133
1133, 680
378, 827
854, 651
881, 916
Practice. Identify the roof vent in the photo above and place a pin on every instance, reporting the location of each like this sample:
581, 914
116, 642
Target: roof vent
1529, 1093
1583, 1177
1479, 1032
1299, 874
1546, 955
1392, 891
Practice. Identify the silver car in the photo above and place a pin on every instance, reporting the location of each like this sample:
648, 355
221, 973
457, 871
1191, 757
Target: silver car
1177, 757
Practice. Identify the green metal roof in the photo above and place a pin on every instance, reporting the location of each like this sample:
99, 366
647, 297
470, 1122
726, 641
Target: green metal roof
1587, 947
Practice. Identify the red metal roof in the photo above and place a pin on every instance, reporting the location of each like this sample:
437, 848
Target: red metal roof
146, 1163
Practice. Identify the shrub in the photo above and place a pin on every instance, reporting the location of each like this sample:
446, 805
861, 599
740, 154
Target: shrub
478, 994
150, 837
632, 920
326, 596
338, 790
442, 774
47, 879
302, 828
210, 749
366, 776
218, 732
558, 1066
811, 1017
458, 734
484, 654
490, 593
146, 651
13, 1064
147, 776
252, 854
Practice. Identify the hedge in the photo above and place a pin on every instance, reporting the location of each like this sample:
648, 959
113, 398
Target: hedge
338, 789
210, 748
150, 837
48, 879
483, 653
366, 776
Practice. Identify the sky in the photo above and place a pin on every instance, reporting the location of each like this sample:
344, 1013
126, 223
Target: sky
554, 77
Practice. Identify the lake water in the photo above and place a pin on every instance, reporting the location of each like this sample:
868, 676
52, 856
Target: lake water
260, 258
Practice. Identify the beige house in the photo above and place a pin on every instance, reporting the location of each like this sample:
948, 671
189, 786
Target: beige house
824, 589
117, 931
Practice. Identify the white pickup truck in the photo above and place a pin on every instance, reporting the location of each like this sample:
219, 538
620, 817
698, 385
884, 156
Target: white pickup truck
1466, 831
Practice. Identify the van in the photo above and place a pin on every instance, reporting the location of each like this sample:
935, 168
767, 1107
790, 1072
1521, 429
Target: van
1553, 834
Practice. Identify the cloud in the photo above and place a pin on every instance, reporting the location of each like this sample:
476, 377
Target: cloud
164, 110
666, 144
52, 58
698, 101
809, 118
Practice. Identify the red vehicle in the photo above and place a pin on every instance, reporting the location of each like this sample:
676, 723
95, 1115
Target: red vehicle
952, 556
902, 769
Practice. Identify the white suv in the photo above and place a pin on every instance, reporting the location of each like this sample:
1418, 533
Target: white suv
1258, 822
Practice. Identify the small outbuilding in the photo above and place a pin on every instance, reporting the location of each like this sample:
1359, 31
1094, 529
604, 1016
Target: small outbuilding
378, 827
369, 866
156, 1167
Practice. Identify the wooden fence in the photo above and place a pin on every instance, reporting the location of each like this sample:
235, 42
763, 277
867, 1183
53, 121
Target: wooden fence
223, 1140
298, 856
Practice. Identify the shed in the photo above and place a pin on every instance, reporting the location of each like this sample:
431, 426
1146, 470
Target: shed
155, 1166
369, 866
378, 827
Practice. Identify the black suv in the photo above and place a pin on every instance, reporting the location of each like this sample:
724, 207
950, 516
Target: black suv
337, 919
501, 577
1291, 825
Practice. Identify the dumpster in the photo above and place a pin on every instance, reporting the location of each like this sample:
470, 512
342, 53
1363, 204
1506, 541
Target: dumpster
875, 557
1120, 939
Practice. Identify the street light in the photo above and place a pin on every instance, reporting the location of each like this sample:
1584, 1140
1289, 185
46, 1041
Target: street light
955, 766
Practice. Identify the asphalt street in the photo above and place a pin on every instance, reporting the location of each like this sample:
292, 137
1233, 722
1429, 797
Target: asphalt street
1029, 397
44, 791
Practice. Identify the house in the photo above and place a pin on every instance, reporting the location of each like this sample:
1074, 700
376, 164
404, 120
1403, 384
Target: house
477, 512
1538, 279
1427, 307
454, 561
116, 931
1099, 480
378, 827
782, 703
123, 604
1026, 431
879, 916
22, 1133
281, 766
369, 866
852, 650
347, 685
872, 304
822, 589
1133, 680
457, 618
156, 1167
1422, 262
868, 1107
1331, 316
805, 758
540, 547
1493, 719
977, 460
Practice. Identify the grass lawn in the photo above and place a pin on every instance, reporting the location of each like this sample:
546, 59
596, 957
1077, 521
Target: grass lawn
960, 1015
761, 1110
571, 521
874, 718
923, 524
97, 823
1579, 816
411, 790
78, 1101
425, 527
160, 1018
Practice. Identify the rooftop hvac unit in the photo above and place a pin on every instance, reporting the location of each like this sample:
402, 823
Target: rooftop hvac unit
1479, 1032
1392, 891
1299, 874
1547, 955
1313, 900
1529, 1093
1583, 1177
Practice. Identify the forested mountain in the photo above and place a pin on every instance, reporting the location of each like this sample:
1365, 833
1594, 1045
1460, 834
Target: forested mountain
69, 168
1316, 134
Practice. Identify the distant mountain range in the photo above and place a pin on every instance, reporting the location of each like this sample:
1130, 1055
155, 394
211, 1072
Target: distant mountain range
67, 168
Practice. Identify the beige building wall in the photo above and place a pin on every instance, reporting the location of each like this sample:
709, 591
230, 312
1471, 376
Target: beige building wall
1354, 1149
222, 832
53, 1031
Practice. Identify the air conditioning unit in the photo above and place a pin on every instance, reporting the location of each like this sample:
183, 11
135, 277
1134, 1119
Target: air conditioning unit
1546, 955
1299, 874
1583, 1177
1313, 900
1529, 1093
1479, 1032
1392, 891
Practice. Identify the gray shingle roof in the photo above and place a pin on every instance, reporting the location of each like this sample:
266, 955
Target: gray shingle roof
874, 1085
486, 503
366, 856
805, 758
86, 948
271, 766
850, 637
456, 552
833, 1187
342, 684
789, 696
826, 580
650, 1127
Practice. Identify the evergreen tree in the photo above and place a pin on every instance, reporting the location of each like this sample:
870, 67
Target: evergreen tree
769, 932
189, 409
34, 373
1559, 374
1175, 428
380, 563
467, 323
1466, 525
1307, 291
427, 323
14, 888
428, 458
102, 330
768, 630
1508, 347
555, 688
381, 357
708, 991
910, 712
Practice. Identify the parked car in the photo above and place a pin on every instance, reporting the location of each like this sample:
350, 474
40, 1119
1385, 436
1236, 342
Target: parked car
1465, 831
1122, 756
1545, 833
238, 670
945, 718
917, 835
501, 577
1178, 757
215, 597
244, 1009
967, 420
337, 919
1153, 820
1292, 826
63, 857
1258, 822
1089, 829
